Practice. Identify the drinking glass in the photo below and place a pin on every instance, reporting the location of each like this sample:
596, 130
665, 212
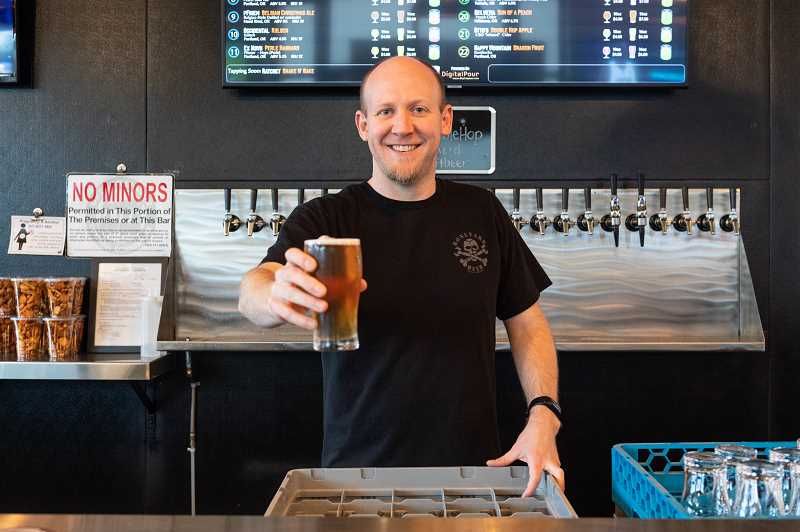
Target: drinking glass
339, 269
704, 492
758, 489
784, 457
732, 454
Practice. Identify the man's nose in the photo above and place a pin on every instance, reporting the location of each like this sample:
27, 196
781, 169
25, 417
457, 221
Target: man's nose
402, 124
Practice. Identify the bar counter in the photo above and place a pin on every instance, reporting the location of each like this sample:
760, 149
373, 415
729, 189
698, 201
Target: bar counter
168, 523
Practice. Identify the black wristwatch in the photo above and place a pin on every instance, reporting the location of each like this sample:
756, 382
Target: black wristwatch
548, 402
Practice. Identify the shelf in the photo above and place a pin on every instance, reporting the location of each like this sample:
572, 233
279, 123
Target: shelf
291, 343
96, 367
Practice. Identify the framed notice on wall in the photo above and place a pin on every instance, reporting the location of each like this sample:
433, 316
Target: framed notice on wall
470, 147
119, 215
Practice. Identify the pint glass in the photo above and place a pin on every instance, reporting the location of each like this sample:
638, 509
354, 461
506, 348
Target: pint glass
339, 269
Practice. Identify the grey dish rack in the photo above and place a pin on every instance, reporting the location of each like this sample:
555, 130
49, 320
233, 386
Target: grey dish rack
430, 492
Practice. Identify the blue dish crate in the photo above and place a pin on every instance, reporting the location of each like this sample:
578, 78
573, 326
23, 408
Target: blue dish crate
647, 478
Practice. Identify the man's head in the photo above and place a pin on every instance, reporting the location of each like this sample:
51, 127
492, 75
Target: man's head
402, 117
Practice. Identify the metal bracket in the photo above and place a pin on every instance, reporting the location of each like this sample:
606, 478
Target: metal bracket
149, 404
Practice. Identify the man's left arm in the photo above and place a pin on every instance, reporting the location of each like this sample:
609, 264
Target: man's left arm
534, 355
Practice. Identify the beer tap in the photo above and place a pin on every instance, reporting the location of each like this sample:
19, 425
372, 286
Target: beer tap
683, 221
277, 219
517, 219
541, 220
323, 192
301, 196
705, 222
585, 221
610, 222
230, 222
730, 222
255, 223
660, 221
638, 221
562, 223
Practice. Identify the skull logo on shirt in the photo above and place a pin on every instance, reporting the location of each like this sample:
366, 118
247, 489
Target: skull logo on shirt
471, 251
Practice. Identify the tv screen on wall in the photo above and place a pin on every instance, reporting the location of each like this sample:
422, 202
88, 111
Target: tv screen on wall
8, 42
470, 42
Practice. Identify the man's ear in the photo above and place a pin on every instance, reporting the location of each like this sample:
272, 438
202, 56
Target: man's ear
447, 119
361, 124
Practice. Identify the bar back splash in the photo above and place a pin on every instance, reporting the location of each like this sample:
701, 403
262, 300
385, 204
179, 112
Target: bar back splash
679, 291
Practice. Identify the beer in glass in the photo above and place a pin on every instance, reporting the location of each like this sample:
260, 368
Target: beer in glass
339, 269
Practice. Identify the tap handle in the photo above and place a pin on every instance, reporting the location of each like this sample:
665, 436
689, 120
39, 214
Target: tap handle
323, 192
565, 198
587, 198
640, 179
663, 198
733, 197
710, 197
685, 193
614, 178
516, 199
301, 196
227, 200
492, 191
253, 199
539, 201
274, 200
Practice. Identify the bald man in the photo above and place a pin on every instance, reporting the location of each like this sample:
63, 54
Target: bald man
443, 261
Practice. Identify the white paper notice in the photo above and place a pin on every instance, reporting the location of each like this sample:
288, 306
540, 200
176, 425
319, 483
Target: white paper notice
37, 236
120, 289
119, 215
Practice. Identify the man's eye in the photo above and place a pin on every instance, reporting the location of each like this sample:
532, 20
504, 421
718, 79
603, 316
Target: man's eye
384, 112
420, 109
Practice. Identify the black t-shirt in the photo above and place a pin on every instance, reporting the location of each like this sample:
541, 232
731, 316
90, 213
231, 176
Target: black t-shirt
420, 390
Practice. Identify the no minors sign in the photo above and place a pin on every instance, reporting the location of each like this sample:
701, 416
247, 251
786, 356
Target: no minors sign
113, 215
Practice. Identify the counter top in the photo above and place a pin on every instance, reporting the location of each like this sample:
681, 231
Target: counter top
167, 523
96, 367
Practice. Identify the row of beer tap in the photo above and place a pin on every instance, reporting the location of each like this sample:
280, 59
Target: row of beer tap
586, 222
637, 221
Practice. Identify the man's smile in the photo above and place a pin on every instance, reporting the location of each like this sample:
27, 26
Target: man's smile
403, 147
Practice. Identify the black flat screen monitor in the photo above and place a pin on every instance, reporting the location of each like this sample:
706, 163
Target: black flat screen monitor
470, 42
8, 42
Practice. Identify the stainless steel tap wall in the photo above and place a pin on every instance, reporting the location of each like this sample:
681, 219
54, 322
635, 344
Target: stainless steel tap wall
678, 292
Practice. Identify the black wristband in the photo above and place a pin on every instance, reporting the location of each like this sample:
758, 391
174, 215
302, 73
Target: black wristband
548, 402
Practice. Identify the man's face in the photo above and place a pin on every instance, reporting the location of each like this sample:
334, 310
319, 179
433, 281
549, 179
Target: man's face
402, 121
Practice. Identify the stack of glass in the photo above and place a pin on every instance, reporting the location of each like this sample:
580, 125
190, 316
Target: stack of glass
732, 482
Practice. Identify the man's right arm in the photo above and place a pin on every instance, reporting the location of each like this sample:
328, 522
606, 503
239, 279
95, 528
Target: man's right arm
272, 294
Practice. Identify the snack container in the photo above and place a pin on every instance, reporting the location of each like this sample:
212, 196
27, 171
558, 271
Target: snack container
79, 325
61, 339
8, 303
60, 296
31, 339
31, 297
8, 340
77, 301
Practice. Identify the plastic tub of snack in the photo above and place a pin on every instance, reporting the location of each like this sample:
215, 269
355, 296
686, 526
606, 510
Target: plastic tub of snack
8, 303
31, 339
77, 301
61, 343
79, 326
8, 340
31, 297
60, 296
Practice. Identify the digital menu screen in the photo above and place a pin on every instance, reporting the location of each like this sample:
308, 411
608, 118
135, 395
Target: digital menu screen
8, 42
470, 42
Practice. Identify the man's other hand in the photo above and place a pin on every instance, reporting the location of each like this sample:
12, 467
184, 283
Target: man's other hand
536, 446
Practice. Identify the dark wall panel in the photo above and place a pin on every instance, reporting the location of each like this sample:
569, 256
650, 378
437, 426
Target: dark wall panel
71, 446
785, 250
308, 133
